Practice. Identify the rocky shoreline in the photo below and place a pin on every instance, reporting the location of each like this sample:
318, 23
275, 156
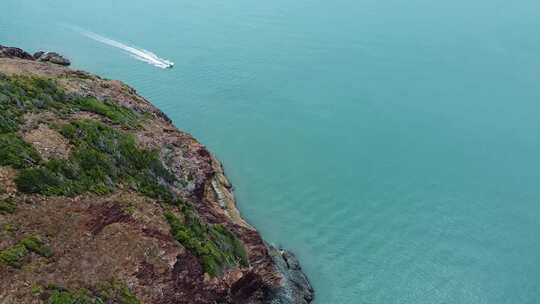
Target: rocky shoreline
153, 259
41, 56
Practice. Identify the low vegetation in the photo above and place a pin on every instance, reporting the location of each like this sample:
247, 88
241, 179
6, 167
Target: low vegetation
14, 255
116, 292
109, 292
103, 159
7, 206
24, 94
115, 113
16, 153
215, 246
21, 94
61, 296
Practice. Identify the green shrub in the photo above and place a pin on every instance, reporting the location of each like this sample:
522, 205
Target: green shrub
103, 157
230, 243
9, 119
7, 206
38, 180
37, 246
152, 187
14, 255
215, 246
36, 290
116, 292
24, 94
109, 292
60, 296
10, 228
16, 153
117, 114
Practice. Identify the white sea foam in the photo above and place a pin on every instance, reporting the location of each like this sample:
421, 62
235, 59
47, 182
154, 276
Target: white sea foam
137, 53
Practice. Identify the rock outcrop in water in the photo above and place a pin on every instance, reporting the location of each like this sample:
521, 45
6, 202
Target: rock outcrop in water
103, 200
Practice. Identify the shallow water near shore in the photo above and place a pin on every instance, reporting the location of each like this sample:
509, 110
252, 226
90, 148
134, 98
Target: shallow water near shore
392, 145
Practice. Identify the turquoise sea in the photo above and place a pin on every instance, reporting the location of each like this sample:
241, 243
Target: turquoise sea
393, 145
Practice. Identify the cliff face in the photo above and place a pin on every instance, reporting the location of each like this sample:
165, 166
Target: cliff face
103, 200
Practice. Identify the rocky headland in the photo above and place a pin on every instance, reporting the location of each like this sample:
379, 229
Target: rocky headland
103, 200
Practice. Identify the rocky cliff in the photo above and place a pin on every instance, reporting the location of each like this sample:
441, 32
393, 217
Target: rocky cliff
103, 200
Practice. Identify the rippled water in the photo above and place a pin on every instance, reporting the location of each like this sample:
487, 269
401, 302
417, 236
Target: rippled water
393, 145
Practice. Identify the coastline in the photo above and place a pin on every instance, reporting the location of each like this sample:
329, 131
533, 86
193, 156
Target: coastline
294, 286
274, 272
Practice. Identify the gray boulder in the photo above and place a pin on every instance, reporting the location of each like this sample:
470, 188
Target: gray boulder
38, 54
51, 57
13, 52
295, 287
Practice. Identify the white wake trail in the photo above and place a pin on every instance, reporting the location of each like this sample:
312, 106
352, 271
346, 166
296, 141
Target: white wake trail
139, 54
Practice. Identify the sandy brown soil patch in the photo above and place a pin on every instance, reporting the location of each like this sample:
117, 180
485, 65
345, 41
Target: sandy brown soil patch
33, 120
48, 142
83, 115
7, 175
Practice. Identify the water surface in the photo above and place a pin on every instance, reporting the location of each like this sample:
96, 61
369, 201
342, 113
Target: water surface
393, 145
